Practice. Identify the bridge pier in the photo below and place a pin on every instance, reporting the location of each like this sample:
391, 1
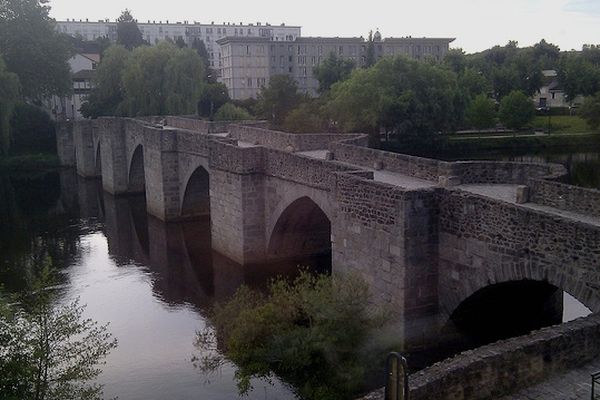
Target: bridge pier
85, 149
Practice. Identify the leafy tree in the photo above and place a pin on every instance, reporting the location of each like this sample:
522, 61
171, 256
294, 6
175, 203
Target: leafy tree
212, 97
370, 57
184, 80
455, 60
33, 49
405, 97
590, 111
128, 33
199, 46
481, 113
231, 112
50, 351
9, 94
306, 118
179, 42
108, 92
32, 131
546, 55
313, 333
578, 76
277, 99
332, 70
516, 110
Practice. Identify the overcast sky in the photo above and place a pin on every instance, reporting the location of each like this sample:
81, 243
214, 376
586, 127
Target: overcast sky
476, 24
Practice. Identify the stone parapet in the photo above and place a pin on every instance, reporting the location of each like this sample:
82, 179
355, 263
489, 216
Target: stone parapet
565, 197
506, 366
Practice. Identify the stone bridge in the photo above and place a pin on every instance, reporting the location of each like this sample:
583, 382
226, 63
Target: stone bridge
426, 234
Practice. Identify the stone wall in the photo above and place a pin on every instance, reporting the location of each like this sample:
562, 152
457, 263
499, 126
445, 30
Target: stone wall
565, 197
354, 152
85, 152
483, 241
506, 366
470, 172
204, 126
291, 142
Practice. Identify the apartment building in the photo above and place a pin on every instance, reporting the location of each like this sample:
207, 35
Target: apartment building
156, 31
247, 63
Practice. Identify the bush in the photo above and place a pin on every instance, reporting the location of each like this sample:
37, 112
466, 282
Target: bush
516, 110
230, 112
481, 112
32, 131
590, 111
312, 333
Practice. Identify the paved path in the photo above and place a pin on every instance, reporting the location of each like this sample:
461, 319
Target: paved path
574, 384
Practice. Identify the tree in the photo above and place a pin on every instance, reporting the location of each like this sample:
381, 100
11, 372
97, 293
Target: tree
9, 94
481, 112
231, 112
33, 49
578, 76
332, 70
405, 97
179, 42
49, 351
315, 333
370, 57
184, 80
277, 99
590, 111
455, 60
108, 93
306, 118
199, 46
128, 33
212, 97
516, 110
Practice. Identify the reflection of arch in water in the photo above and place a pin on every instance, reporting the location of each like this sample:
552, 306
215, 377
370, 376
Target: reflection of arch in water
136, 177
509, 309
98, 161
196, 198
303, 229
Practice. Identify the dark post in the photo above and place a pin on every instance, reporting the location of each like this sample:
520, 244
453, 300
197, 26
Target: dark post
396, 377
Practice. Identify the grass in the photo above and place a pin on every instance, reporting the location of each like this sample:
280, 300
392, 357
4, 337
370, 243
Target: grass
562, 124
29, 162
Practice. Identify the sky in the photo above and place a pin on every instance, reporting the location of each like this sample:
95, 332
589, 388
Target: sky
476, 24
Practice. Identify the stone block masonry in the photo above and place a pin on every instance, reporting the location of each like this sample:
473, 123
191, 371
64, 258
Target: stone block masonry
424, 249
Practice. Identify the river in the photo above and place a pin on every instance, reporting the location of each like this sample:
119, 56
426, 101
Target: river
153, 282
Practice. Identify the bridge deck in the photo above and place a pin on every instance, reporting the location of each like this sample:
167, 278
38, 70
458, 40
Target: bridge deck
389, 177
508, 193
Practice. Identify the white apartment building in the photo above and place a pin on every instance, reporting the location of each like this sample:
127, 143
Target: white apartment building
156, 31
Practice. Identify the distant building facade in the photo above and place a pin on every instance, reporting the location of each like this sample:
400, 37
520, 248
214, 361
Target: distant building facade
552, 94
156, 31
83, 69
248, 63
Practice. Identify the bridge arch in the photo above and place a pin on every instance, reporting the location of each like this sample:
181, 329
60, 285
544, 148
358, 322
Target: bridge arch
196, 197
136, 181
302, 229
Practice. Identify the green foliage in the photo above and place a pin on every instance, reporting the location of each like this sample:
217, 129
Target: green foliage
156, 80
231, 112
212, 97
306, 118
128, 33
370, 57
33, 49
108, 92
516, 110
406, 97
332, 70
481, 112
49, 351
312, 333
277, 99
579, 76
32, 131
590, 111
9, 94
